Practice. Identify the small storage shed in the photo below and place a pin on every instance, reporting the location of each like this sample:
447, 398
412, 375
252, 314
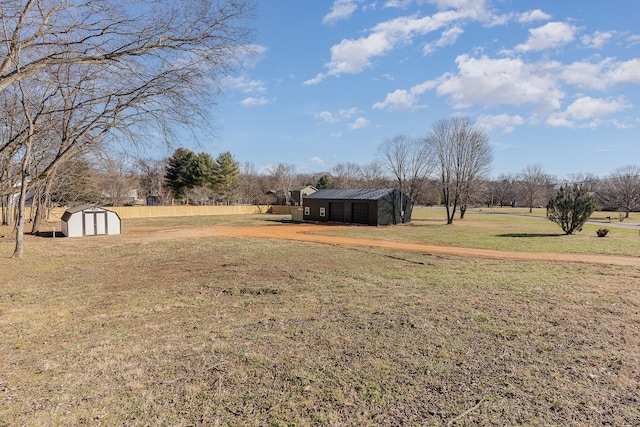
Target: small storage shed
89, 220
377, 206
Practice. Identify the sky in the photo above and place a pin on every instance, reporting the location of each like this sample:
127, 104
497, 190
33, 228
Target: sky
555, 84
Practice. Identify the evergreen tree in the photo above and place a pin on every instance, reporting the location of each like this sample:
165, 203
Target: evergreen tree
325, 181
571, 207
225, 176
203, 171
180, 168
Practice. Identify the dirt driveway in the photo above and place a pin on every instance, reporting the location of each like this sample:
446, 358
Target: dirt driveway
309, 233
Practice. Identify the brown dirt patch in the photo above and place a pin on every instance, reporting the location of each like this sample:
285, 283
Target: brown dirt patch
312, 233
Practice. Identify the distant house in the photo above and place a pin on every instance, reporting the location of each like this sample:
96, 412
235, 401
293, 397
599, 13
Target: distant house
378, 206
299, 193
89, 220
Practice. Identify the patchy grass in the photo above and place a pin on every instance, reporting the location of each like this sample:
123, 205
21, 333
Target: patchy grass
502, 232
235, 331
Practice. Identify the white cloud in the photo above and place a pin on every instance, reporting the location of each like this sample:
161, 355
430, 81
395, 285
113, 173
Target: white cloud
255, 101
551, 35
326, 117
348, 112
401, 99
588, 109
533, 15
360, 123
244, 85
502, 121
398, 100
354, 55
317, 161
341, 114
341, 9
397, 3
586, 74
602, 75
597, 40
317, 79
251, 55
633, 40
625, 72
448, 37
506, 81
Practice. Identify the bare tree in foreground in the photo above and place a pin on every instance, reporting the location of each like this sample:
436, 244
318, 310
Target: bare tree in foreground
463, 156
111, 68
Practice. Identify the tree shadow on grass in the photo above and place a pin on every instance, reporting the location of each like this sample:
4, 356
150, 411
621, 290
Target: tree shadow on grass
531, 235
48, 234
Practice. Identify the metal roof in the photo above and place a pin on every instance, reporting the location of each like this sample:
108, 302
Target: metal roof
350, 193
81, 208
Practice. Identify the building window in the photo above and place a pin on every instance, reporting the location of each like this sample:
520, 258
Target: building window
322, 211
307, 211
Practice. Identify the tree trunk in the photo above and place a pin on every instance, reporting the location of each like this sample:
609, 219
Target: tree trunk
19, 250
37, 218
24, 177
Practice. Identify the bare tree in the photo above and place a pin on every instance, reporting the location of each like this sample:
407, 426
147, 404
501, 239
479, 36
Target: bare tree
373, 175
621, 190
534, 186
283, 175
115, 180
463, 156
249, 185
587, 179
39, 34
106, 69
502, 190
73, 183
346, 175
151, 176
409, 160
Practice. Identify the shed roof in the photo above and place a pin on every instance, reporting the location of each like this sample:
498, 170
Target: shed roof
351, 193
81, 208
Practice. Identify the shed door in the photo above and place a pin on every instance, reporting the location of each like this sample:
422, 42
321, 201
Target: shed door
360, 213
101, 223
94, 223
336, 211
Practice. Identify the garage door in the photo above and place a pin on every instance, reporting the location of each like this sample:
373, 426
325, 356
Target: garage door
360, 213
336, 211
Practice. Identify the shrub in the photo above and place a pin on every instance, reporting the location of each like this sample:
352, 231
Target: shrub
602, 232
571, 207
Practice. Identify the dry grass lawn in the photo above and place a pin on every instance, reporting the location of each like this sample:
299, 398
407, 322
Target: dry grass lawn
124, 330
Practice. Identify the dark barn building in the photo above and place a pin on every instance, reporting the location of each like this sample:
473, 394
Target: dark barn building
369, 206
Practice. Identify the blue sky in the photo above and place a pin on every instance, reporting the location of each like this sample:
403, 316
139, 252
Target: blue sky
555, 83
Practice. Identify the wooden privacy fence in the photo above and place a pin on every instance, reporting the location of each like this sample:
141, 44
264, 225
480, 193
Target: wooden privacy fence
183, 210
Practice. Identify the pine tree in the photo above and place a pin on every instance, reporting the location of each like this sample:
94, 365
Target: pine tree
325, 181
179, 175
225, 176
571, 207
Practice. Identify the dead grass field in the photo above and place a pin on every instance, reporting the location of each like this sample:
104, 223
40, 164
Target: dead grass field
164, 326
